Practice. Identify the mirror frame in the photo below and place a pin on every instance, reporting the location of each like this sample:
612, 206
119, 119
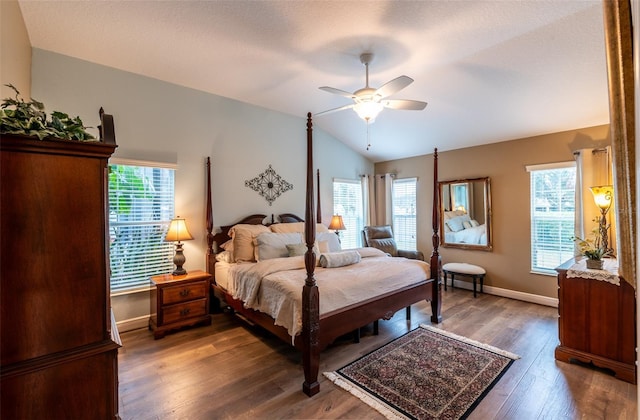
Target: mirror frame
487, 215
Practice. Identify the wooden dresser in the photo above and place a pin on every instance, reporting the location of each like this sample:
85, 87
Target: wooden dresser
59, 344
179, 301
597, 322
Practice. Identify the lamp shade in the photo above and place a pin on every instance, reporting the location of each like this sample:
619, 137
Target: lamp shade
178, 231
602, 195
337, 223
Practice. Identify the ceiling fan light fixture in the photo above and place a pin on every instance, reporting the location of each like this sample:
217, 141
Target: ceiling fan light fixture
368, 110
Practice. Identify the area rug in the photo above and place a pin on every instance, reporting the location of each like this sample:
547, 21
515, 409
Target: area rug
427, 373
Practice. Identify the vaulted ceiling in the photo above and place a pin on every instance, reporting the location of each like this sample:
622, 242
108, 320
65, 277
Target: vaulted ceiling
490, 70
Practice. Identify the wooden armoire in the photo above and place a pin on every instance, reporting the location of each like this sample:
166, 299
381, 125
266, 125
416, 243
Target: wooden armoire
59, 343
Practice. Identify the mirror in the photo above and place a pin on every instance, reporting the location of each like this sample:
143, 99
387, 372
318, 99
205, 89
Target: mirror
465, 214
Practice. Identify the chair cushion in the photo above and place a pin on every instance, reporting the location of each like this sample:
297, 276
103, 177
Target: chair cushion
463, 268
387, 245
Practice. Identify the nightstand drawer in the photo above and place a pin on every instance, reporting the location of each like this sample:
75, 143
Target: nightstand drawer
192, 309
184, 292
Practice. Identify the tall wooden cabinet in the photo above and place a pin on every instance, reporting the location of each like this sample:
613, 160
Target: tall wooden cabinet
597, 322
59, 344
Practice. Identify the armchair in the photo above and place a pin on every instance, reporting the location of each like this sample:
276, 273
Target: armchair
381, 237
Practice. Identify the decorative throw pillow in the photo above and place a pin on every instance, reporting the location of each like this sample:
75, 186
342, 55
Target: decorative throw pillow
274, 245
243, 236
224, 256
295, 250
339, 259
467, 224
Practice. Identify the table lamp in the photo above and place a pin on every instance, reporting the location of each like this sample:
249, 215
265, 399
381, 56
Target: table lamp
603, 197
178, 232
337, 224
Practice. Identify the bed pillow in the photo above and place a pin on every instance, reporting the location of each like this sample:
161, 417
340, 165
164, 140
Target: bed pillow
274, 245
339, 259
455, 223
243, 236
474, 223
224, 256
296, 250
295, 227
333, 242
467, 224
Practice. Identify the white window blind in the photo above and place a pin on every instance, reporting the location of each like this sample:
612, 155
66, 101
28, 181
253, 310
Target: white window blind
141, 205
404, 213
347, 202
552, 215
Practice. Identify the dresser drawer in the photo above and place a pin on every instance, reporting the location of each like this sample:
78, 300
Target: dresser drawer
184, 292
175, 313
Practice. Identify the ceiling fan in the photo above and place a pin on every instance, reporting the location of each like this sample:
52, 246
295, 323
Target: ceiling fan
368, 101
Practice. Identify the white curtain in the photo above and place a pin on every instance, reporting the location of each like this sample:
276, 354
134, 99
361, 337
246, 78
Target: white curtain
368, 183
377, 195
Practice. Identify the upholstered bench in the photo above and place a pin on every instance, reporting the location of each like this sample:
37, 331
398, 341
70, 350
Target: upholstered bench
464, 269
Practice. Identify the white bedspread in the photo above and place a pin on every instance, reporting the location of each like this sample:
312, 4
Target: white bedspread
476, 235
275, 286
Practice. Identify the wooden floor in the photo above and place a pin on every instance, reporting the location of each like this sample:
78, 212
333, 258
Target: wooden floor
230, 370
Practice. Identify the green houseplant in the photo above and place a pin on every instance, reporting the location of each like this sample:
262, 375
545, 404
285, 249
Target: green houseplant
29, 119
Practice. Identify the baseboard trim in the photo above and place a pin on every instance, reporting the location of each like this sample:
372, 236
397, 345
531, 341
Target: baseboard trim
133, 323
511, 294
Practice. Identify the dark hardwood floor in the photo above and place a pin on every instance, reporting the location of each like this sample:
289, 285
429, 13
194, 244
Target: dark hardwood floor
230, 370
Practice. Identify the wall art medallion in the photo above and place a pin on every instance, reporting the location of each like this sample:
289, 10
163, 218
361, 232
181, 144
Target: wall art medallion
269, 184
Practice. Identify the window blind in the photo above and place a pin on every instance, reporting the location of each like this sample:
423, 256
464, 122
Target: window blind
141, 205
347, 202
552, 215
404, 213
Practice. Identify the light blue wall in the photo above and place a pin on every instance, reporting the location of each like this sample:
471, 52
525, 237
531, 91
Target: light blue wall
155, 120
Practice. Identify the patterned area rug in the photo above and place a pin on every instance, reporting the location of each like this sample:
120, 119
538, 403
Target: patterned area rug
427, 373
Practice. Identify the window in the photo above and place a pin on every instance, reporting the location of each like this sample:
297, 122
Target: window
140, 208
404, 213
347, 202
552, 215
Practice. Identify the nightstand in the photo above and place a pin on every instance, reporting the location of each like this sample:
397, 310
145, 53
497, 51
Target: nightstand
179, 301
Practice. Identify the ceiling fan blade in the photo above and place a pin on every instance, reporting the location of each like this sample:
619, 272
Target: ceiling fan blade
404, 104
337, 91
329, 111
394, 86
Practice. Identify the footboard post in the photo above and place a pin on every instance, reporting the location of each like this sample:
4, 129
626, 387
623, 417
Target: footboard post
310, 295
435, 261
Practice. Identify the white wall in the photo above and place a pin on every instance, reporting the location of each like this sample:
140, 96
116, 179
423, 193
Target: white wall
15, 51
155, 120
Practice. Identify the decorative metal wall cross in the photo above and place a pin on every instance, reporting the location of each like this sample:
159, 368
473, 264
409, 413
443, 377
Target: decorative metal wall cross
269, 185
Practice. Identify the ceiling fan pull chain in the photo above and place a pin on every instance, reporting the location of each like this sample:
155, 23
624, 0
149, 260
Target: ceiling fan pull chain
368, 139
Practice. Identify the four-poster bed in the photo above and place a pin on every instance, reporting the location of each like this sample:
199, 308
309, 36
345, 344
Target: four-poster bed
322, 323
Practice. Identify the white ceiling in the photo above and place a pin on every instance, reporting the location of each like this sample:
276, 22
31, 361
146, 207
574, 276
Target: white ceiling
490, 70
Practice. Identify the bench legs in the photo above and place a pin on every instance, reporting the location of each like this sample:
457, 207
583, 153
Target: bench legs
475, 278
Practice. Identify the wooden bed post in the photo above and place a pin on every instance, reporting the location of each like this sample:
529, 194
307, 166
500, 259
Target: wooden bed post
209, 214
436, 262
310, 296
319, 217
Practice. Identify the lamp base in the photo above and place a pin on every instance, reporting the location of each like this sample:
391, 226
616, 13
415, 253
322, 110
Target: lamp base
179, 272
178, 260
